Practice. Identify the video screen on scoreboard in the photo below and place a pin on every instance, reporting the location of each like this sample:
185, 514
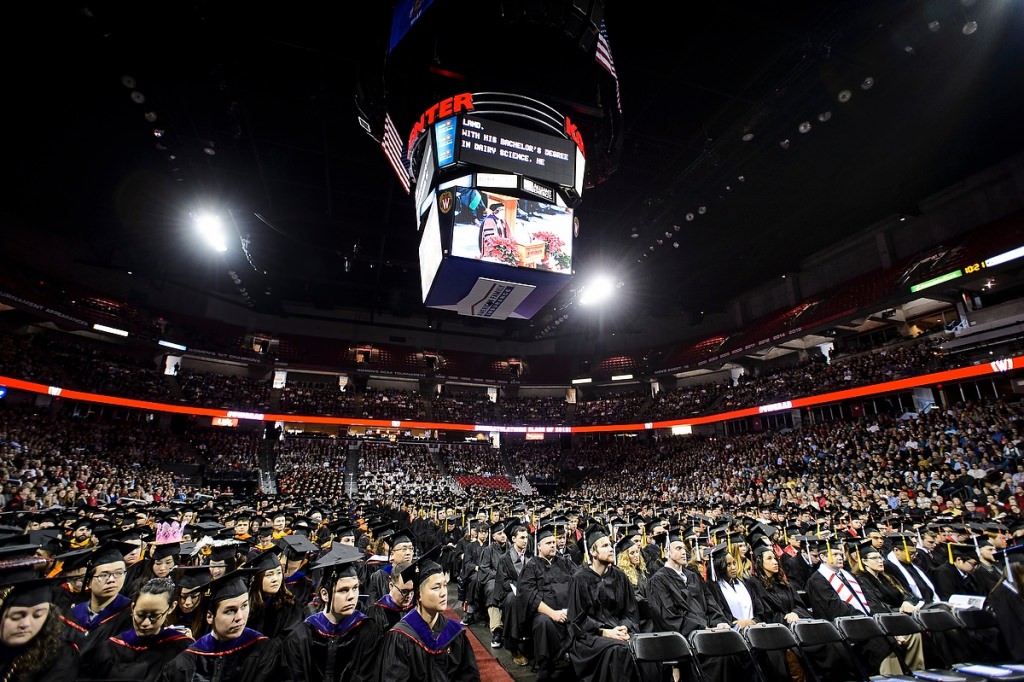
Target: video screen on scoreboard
523, 233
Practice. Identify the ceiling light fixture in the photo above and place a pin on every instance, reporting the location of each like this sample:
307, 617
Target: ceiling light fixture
784, 143
804, 127
844, 96
702, 210
689, 217
934, 26
824, 117
747, 137
969, 28
128, 82
867, 83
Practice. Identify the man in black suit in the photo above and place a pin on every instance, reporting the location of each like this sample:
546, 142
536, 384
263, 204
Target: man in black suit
502, 606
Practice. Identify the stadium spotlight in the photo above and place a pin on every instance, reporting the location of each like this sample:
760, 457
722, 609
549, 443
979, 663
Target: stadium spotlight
597, 290
211, 229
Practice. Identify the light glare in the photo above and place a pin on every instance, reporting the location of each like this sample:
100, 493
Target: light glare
211, 228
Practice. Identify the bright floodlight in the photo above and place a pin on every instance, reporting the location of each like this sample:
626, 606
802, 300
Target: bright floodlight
212, 230
597, 290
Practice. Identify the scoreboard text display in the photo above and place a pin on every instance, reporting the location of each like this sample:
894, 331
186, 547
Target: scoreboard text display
484, 142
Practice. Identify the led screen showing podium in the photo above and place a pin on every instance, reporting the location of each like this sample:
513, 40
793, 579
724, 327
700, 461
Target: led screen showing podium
476, 261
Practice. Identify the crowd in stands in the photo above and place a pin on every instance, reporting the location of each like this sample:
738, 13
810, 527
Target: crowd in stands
387, 469
57, 359
474, 460
392, 403
227, 391
226, 452
533, 411
463, 408
619, 407
311, 464
298, 397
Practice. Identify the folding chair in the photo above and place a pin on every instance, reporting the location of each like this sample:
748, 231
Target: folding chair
816, 634
896, 624
725, 651
765, 639
985, 635
666, 649
945, 636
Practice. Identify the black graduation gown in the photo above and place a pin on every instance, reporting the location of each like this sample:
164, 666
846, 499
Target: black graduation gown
301, 587
599, 602
949, 581
1009, 609
83, 630
415, 652
772, 605
825, 603
127, 656
504, 598
548, 582
797, 569
250, 657
386, 612
379, 583
680, 605
321, 651
61, 666
275, 622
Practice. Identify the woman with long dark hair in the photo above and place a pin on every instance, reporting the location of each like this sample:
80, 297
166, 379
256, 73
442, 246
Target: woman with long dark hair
777, 601
139, 654
189, 613
272, 607
31, 645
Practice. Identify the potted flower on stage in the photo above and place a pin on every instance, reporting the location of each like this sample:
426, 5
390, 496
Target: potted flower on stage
553, 250
501, 250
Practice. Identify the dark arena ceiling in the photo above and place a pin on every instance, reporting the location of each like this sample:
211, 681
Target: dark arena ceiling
752, 135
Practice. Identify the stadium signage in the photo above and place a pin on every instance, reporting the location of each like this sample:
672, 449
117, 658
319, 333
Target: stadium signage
775, 407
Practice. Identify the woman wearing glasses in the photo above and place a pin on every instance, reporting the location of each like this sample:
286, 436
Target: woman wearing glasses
139, 653
105, 611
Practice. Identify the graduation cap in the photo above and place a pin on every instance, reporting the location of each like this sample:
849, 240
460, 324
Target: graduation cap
595, 533
167, 549
343, 529
423, 567
229, 585
296, 547
27, 588
225, 550
191, 577
341, 562
75, 559
956, 550
111, 552
624, 544
1012, 555
498, 527
266, 560
549, 530
401, 537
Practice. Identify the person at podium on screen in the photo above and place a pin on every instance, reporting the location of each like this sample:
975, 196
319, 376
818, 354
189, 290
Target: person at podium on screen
493, 225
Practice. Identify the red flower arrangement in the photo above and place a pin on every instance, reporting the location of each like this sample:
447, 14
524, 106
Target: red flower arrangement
554, 245
503, 249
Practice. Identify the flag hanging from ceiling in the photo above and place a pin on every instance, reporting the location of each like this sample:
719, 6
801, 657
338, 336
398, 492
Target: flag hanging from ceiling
604, 58
393, 148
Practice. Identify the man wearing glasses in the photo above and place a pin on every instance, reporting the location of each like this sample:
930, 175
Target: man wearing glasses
390, 608
402, 550
957, 577
105, 611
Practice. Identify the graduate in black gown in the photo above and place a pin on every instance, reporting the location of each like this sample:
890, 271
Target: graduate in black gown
544, 595
401, 549
139, 654
230, 652
603, 615
273, 610
393, 606
32, 648
425, 646
1006, 601
189, 613
297, 549
104, 611
340, 643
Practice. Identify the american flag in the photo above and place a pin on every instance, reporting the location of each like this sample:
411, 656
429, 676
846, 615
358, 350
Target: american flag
604, 58
393, 148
